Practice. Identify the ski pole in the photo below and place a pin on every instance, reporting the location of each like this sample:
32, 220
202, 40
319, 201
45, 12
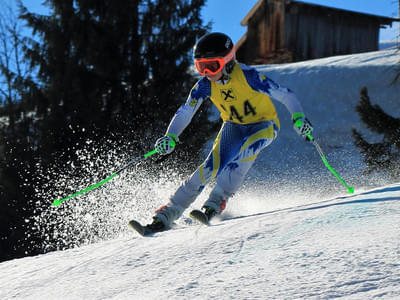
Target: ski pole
321, 153
57, 202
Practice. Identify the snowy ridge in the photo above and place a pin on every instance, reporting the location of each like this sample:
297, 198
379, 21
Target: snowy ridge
346, 247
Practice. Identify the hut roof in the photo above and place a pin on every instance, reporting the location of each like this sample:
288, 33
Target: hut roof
383, 20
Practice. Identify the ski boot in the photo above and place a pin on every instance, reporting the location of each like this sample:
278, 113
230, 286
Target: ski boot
209, 212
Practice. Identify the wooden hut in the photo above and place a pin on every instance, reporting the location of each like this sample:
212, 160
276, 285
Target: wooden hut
287, 30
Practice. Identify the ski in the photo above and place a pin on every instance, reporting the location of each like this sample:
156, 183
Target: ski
139, 228
199, 216
196, 214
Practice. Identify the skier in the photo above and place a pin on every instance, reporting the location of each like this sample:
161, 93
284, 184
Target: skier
250, 123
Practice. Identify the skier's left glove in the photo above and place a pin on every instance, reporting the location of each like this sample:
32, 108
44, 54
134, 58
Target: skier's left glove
302, 126
166, 144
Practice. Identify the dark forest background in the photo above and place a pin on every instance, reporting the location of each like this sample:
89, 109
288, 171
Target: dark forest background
109, 71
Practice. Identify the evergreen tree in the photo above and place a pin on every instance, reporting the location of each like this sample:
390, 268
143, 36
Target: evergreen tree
16, 155
105, 70
385, 155
106, 65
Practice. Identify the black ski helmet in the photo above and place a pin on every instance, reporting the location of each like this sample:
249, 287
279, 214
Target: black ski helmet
213, 45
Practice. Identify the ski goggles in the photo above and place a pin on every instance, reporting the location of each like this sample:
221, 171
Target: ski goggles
212, 66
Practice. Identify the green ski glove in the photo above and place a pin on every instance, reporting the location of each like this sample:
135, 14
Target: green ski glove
166, 144
302, 126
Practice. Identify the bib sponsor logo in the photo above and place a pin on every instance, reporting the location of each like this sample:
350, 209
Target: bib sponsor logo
228, 95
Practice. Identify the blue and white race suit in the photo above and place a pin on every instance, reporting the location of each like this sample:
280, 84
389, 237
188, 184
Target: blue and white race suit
250, 125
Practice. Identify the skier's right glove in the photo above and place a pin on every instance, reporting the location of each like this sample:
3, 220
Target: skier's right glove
166, 144
302, 126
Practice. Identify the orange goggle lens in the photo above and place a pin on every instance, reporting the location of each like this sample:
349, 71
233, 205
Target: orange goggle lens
211, 66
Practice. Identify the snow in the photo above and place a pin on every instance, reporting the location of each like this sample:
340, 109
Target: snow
291, 232
345, 247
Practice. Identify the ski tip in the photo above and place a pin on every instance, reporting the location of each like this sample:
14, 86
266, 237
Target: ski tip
199, 216
137, 227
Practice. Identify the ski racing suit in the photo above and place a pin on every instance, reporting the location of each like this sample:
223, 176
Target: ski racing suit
250, 124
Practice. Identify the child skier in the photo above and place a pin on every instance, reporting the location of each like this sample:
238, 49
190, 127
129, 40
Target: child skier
243, 96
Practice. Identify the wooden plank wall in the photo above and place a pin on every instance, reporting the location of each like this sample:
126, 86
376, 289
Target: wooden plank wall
282, 31
311, 32
266, 33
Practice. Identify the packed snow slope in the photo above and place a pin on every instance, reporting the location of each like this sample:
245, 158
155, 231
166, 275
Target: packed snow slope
346, 247
329, 90
291, 232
